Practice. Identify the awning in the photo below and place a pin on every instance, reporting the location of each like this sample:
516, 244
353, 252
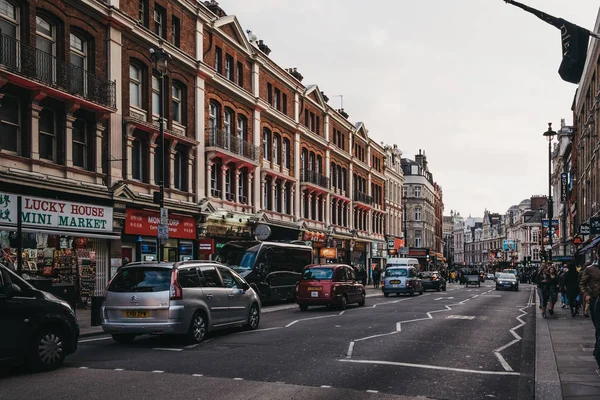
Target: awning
89, 235
589, 246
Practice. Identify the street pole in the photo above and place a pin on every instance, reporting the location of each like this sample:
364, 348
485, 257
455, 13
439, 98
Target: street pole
550, 134
404, 223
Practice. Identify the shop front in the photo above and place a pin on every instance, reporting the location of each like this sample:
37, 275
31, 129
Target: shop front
342, 245
378, 256
220, 227
317, 241
64, 245
141, 232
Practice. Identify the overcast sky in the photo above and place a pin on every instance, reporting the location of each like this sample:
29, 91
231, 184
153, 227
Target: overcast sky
472, 82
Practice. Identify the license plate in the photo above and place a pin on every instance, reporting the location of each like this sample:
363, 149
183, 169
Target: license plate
314, 294
313, 288
396, 286
395, 282
136, 314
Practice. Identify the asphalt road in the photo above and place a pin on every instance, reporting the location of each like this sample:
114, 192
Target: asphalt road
474, 343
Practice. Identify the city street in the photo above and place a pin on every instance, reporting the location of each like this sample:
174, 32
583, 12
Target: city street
465, 343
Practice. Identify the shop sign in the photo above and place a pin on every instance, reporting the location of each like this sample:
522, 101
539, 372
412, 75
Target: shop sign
595, 226
390, 244
584, 229
145, 223
329, 252
360, 247
206, 246
403, 250
49, 213
314, 236
262, 232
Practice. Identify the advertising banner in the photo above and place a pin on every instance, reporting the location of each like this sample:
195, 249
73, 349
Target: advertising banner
550, 230
145, 223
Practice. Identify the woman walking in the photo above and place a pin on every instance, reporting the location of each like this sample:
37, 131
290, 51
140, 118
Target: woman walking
572, 289
549, 280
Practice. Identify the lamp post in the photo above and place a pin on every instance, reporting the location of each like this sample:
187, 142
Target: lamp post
550, 135
161, 59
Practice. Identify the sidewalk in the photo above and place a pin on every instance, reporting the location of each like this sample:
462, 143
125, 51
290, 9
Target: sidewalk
84, 317
565, 367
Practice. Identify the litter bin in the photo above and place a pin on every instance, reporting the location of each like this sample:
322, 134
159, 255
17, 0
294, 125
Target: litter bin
97, 302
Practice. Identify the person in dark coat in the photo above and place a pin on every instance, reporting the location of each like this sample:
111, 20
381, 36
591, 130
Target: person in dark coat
572, 288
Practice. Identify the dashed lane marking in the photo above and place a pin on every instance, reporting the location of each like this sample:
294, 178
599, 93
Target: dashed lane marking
326, 386
119, 369
95, 339
198, 375
372, 391
167, 349
435, 367
238, 379
83, 367
158, 371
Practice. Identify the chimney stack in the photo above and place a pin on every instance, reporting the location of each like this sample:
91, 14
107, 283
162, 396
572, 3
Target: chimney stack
263, 47
213, 6
294, 72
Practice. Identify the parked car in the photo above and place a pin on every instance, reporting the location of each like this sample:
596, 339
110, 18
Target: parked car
401, 280
491, 277
36, 328
433, 280
329, 284
184, 298
507, 281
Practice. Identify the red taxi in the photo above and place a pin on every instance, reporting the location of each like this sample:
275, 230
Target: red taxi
329, 284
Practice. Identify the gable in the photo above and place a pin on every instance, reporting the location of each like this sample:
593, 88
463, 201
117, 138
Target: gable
230, 31
315, 95
230, 26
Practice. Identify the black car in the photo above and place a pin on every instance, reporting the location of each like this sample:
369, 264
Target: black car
433, 280
36, 328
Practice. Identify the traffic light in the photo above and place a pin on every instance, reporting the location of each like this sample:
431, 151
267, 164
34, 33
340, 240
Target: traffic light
427, 254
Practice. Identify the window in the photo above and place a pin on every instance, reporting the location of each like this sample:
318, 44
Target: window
276, 147
175, 31
286, 153
270, 93
284, 104
417, 191
242, 187
188, 278
318, 164
209, 277
137, 160
229, 181
285, 200
418, 214
218, 60
418, 238
180, 170
80, 145
142, 12
277, 205
10, 124
9, 24
135, 86
228, 279
304, 158
229, 67
536, 254
240, 74
46, 43
214, 180
228, 127
47, 135
277, 99
213, 118
176, 99
160, 21
155, 96
534, 237
78, 57
266, 144
242, 127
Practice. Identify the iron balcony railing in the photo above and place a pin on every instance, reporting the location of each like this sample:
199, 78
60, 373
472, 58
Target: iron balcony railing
24, 60
363, 197
233, 144
310, 176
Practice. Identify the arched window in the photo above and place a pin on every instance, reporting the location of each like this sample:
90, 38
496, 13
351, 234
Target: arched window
45, 42
135, 86
242, 127
344, 179
276, 148
180, 169
228, 122
319, 165
79, 59
177, 105
267, 144
311, 161
286, 153
334, 175
213, 118
304, 159
155, 96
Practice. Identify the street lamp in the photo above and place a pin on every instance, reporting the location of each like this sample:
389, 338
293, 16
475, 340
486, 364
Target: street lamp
161, 59
550, 135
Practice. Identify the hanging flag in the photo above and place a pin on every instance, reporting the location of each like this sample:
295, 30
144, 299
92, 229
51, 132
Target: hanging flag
575, 41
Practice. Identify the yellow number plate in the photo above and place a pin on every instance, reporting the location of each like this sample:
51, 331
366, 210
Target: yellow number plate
315, 288
136, 314
395, 282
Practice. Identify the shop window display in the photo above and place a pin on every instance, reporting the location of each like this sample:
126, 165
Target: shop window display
53, 260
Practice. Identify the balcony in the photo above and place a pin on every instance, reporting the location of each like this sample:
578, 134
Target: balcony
309, 176
363, 197
232, 144
46, 69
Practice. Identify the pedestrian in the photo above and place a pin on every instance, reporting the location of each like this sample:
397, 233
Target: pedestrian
452, 276
537, 280
563, 290
590, 284
550, 283
376, 275
584, 298
572, 288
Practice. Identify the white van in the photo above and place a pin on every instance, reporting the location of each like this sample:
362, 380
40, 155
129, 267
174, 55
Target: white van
402, 262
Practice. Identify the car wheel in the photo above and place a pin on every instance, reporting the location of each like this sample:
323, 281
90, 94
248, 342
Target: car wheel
47, 350
438, 289
386, 295
421, 292
497, 288
363, 300
303, 307
123, 338
444, 288
198, 328
343, 303
412, 293
253, 318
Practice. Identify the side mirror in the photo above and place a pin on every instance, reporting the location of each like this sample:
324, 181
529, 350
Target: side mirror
245, 287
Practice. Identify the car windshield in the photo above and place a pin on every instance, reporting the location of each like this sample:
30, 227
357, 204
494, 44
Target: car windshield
317, 273
394, 272
507, 276
238, 256
141, 279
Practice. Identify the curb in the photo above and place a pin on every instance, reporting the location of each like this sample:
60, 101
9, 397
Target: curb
547, 381
92, 333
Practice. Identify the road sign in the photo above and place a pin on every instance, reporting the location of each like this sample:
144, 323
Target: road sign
163, 232
403, 250
584, 229
164, 216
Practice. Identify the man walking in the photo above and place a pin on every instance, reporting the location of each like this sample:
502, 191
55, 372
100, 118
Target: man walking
590, 285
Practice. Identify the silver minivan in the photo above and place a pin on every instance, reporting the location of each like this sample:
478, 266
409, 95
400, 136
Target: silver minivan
184, 298
401, 280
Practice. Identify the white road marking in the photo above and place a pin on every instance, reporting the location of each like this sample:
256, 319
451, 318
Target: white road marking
95, 340
119, 369
493, 295
475, 296
468, 317
166, 349
372, 391
350, 350
198, 375
464, 301
83, 367
439, 298
325, 386
306, 319
342, 312
238, 379
158, 371
261, 330
435, 367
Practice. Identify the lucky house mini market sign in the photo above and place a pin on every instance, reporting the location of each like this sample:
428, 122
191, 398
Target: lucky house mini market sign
50, 213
